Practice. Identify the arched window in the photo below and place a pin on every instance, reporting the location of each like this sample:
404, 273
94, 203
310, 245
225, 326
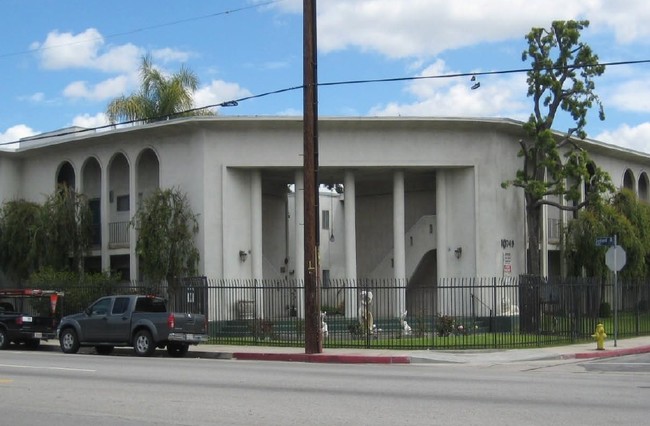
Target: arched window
628, 180
147, 174
643, 187
66, 175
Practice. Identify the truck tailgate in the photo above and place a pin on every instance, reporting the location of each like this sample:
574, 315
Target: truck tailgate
189, 323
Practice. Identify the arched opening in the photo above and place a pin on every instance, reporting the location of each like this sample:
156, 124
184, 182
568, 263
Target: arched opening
119, 202
628, 180
91, 188
643, 187
148, 174
66, 175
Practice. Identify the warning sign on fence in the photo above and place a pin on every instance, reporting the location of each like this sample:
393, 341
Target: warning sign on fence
507, 264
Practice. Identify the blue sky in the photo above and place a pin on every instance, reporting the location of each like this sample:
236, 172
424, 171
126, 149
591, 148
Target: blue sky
63, 61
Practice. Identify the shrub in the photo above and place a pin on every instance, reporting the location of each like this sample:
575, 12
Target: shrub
262, 329
444, 325
79, 292
355, 328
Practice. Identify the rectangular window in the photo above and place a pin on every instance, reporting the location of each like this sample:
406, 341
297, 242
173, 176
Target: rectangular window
123, 203
325, 219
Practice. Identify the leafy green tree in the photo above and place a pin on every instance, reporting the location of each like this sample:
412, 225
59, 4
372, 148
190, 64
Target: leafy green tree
166, 228
65, 229
636, 239
18, 239
625, 217
56, 234
159, 96
555, 166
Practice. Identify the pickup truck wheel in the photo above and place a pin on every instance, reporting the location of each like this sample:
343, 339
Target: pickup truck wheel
69, 341
104, 349
4, 339
143, 344
177, 350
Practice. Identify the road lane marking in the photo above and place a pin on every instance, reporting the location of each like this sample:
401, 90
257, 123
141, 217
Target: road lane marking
33, 367
6, 381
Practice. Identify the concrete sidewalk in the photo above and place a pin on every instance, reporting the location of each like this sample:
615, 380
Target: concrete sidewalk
630, 346
374, 356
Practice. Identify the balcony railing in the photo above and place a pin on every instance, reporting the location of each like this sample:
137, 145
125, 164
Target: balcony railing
553, 230
118, 234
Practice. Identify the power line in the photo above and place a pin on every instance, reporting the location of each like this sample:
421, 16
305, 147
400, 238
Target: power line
236, 102
143, 29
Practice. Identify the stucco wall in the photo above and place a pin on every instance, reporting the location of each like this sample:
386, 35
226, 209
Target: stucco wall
211, 160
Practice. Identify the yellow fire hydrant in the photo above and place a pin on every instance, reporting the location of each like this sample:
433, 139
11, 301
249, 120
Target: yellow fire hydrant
600, 336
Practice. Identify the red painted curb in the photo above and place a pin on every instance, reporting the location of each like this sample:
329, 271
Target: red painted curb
613, 352
322, 358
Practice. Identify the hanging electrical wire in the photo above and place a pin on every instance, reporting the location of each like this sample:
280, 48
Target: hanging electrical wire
236, 102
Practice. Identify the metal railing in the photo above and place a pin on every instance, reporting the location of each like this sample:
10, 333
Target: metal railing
450, 314
554, 230
118, 234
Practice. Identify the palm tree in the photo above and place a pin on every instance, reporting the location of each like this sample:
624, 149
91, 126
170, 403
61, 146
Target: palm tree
159, 96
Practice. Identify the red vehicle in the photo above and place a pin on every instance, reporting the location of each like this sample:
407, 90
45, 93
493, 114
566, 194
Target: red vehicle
28, 316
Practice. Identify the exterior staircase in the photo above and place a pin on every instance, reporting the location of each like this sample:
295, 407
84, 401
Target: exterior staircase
420, 239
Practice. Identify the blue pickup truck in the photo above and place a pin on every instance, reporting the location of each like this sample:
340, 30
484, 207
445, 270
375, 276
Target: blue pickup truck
139, 321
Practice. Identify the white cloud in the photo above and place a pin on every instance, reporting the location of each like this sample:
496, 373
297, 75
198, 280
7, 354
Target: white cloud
14, 133
631, 95
90, 121
87, 50
637, 137
455, 96
170, 55
37, 97
66, 50
628, 19
107, 89
126, 58
427, 27
219, 91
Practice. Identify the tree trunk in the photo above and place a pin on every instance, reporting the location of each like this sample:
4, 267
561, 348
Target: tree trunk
533, 224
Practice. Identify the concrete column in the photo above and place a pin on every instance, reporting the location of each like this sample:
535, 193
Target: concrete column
256, 255
441, 223
299, 255
399, 236
350, 233
133, 208
104, 206
544, 238
544, 241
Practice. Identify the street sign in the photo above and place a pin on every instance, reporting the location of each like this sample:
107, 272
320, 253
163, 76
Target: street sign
605, 241
615, 258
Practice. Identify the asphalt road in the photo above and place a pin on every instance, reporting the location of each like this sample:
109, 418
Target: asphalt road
38, 388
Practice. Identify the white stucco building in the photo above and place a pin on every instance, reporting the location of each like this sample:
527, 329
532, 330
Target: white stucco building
422, 196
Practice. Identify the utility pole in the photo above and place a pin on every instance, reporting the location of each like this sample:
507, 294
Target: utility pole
313, 335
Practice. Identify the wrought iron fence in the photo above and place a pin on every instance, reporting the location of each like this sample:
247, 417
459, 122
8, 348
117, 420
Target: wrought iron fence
450, 314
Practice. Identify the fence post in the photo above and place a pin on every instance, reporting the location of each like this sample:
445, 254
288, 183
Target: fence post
493, 310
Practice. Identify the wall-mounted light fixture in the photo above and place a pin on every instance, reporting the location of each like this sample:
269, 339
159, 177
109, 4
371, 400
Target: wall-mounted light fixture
111, 196
458, 252
242, 256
